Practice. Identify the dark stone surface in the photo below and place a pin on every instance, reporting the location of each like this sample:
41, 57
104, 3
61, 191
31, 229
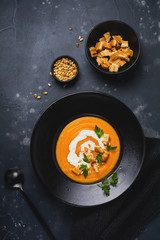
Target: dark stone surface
32, 35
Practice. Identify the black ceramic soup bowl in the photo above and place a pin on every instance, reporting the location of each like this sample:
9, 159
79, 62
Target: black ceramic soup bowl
52, 122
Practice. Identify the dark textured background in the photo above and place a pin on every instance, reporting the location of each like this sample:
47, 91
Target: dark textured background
32, 35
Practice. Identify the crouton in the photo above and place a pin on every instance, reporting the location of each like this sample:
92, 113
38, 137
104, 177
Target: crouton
104, 156
105, 139
124, 57
114, 56
124, 44
118, 38
113, 43
105, 60
99, 60
127, 51
107, 36
118, 46
107, 45
93, 52
76, 171
98, 149
105, 53
115, 61
113, 68
105, 65
98, 46
130, 52
102, 39
121, 63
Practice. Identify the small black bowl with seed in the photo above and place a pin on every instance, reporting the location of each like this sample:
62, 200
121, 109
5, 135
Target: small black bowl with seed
64, 69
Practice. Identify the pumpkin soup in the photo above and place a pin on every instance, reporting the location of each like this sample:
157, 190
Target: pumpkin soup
87, 149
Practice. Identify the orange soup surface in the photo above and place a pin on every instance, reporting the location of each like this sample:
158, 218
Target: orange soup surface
83, 149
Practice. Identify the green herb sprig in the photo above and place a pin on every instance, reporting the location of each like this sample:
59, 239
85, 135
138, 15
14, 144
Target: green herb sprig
99, 157
114, 179
85, 169
85, 159
98, 131
109, 148
105, 185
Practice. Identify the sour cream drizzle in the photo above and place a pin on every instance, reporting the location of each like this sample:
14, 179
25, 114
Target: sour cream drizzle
72, 156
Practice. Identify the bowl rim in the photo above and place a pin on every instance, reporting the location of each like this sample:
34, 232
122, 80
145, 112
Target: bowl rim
103, 70
71, 58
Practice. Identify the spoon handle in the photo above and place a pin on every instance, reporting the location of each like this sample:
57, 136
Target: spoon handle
39, 217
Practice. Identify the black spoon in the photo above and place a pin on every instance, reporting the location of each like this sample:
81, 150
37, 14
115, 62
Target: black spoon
14, 179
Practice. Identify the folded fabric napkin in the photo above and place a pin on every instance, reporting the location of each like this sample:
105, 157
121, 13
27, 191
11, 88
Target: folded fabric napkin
123, 217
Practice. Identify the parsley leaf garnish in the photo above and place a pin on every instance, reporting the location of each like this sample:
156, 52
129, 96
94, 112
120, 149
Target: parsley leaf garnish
99, 157
114, 179
105, 186
85, 159
82, 166
98, 131
85, 170
109, 148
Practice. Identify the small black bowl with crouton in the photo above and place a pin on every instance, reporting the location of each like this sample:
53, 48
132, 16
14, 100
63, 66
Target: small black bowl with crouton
112, 47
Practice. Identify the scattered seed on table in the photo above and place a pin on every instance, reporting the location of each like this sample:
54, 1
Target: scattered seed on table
35, 95
49, 85
38, 97
45, 93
